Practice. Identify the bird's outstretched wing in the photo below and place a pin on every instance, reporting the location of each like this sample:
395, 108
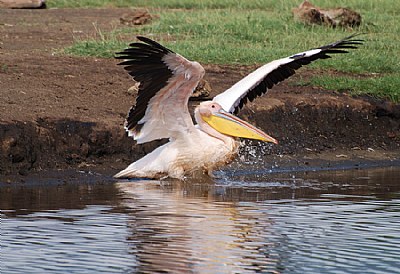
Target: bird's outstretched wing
167, 80
259, 81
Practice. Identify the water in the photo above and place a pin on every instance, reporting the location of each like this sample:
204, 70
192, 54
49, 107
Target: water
316, 222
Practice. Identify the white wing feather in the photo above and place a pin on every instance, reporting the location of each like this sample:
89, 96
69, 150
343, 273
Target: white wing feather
167, 114
230, 98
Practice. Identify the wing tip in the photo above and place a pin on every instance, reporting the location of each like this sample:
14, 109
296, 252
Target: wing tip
346, 42
133, 130
145, 44
153, 43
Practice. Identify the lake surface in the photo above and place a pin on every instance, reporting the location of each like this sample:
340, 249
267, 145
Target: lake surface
304, 222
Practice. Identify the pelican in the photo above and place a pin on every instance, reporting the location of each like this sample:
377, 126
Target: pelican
167, 80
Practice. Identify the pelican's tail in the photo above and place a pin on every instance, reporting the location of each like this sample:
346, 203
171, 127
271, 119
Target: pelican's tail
127, 173
151, 166
132, 171
135, 170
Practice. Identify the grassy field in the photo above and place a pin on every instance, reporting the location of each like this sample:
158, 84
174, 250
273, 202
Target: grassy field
257, 31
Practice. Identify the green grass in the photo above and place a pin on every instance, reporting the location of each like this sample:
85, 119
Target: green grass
374, 86
102, 45
257, 31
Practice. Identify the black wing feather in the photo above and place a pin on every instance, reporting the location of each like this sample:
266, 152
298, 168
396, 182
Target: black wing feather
144, 62
286, 70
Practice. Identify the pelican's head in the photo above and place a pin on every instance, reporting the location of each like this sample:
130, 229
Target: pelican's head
226, 123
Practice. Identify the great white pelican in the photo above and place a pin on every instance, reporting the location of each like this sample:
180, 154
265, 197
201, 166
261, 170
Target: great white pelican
167, 80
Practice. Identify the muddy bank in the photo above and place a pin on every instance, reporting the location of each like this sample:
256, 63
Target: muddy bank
62, 144
306, 133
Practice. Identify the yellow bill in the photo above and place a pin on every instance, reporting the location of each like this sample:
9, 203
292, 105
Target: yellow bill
231, 125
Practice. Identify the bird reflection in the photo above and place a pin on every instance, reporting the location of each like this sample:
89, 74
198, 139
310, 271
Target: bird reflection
183, 227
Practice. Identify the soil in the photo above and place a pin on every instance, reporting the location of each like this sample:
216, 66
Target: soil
63, 112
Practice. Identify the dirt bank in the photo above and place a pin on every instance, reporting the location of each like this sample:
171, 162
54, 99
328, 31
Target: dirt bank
62, 112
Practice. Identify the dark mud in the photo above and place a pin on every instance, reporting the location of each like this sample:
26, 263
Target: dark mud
331, 135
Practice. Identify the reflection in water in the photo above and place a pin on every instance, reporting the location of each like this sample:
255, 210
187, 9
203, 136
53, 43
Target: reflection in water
173, 232
330, 222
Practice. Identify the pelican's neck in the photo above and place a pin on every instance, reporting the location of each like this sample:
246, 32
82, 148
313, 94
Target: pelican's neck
228, 140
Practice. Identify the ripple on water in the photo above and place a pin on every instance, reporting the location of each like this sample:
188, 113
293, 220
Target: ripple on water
293, 236
291, 224
341, 236
90, 240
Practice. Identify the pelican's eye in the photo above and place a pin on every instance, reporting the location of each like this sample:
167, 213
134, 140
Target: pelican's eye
213, 106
